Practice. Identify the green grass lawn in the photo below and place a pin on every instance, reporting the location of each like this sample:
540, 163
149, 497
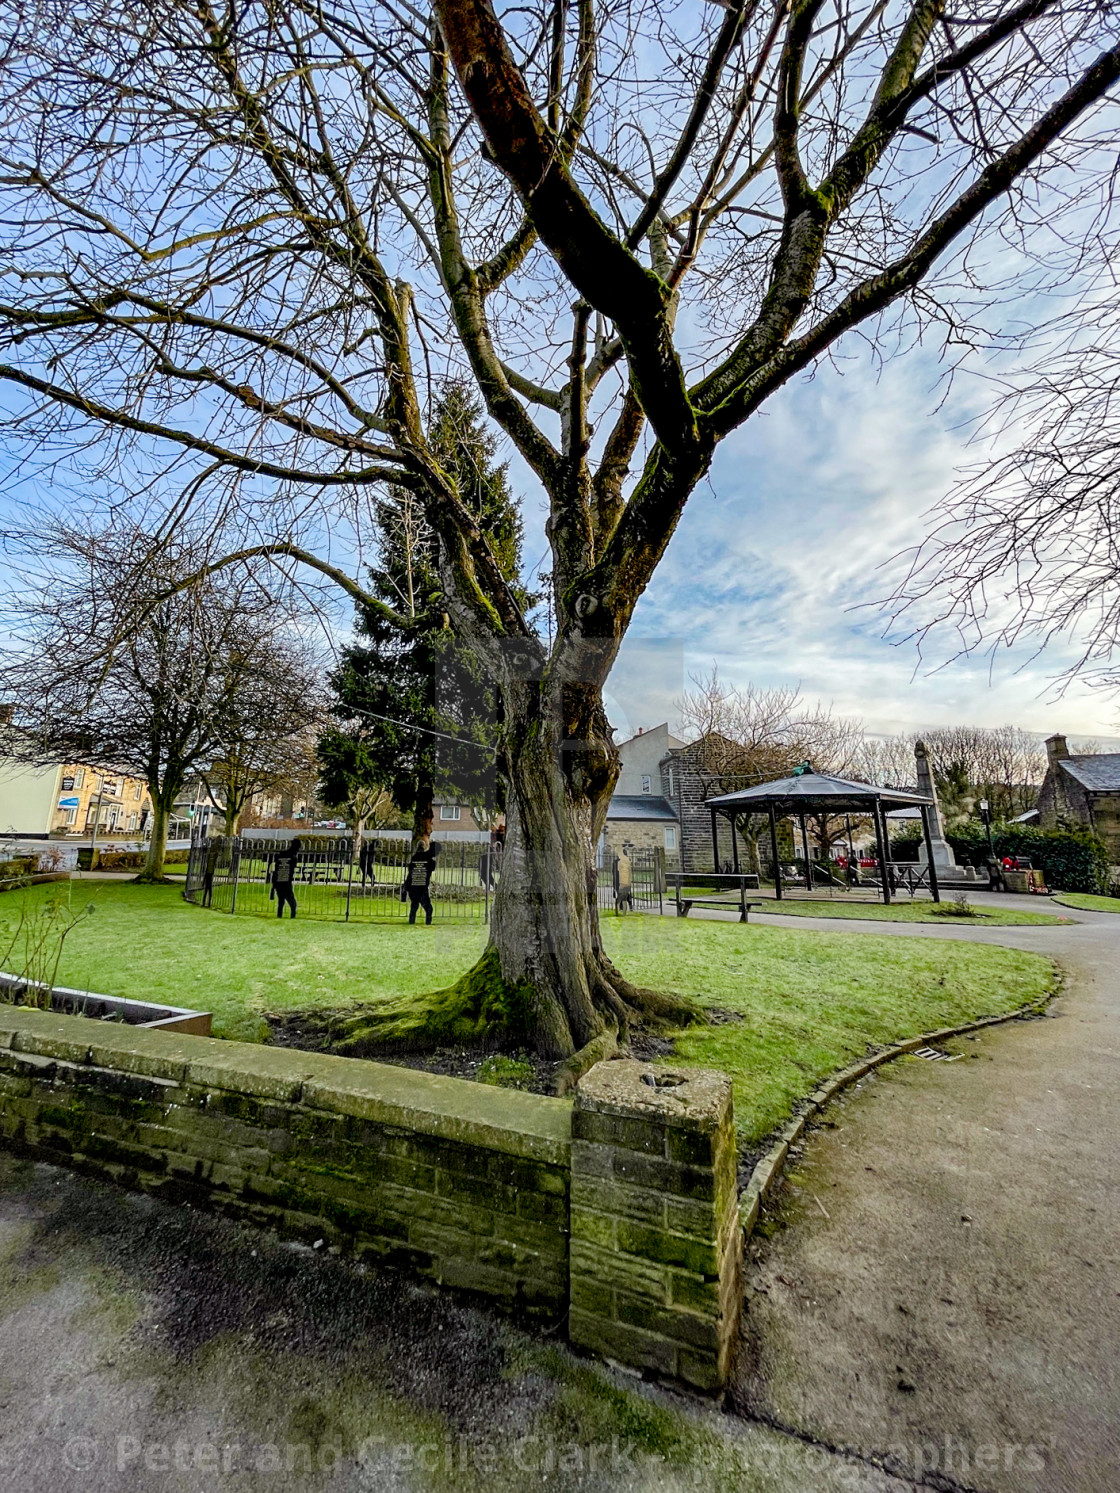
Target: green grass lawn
811, 1001
1087, 902
906, 912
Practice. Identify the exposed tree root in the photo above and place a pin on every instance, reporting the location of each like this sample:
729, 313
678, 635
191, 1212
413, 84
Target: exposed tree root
483, 1010
597, 1051
149, 878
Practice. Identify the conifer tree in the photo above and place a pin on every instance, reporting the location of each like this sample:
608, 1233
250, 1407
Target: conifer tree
415, 712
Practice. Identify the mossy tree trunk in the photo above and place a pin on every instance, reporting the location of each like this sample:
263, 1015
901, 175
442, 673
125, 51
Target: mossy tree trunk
560, 767
544, 979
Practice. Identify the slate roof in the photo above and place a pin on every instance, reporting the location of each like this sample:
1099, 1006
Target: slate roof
814, 790
1099, 773
643, 806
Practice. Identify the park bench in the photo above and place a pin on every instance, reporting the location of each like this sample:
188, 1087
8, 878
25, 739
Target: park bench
704, 889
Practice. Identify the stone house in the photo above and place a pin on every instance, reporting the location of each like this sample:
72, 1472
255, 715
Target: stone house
687, 780
641, 759
1082, 793
639, 814
68, 798
660, 796
641, 821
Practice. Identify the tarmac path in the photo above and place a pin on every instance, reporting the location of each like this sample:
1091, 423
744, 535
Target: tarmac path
937, 1288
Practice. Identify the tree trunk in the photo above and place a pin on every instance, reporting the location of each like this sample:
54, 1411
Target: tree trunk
561, 767
157, 845
544, 979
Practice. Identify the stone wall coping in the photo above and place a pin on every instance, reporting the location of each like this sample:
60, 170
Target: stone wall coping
691, 1098
507, 1120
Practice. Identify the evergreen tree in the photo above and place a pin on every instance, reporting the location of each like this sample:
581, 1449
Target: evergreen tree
416, 714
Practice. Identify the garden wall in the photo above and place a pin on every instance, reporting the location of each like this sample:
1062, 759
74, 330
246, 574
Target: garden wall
467, 1185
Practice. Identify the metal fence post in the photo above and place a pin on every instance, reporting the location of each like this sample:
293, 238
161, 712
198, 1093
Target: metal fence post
349, 882
235, 867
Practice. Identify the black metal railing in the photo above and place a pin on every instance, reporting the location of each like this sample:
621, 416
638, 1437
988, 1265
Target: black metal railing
235, 874
646, 882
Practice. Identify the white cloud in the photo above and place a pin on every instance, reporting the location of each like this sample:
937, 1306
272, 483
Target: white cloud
781, 560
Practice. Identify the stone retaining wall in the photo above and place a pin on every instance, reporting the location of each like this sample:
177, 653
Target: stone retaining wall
656, 1247
473, 1187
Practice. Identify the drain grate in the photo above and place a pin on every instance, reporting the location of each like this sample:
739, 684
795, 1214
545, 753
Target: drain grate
935, 1055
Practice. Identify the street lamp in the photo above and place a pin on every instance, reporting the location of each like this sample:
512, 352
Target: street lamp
985, 815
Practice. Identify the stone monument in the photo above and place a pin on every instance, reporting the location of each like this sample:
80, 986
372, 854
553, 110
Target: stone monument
944, 860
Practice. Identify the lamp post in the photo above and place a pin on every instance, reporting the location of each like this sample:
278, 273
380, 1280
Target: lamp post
986, 816
95, 799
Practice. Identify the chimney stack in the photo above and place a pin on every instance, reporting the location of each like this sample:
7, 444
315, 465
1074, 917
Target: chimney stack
1056, 749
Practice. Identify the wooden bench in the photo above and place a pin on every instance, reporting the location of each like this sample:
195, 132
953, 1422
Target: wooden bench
705, 889
686, 904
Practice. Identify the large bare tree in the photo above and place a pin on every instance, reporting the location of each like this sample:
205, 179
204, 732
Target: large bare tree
252, 237
207, 685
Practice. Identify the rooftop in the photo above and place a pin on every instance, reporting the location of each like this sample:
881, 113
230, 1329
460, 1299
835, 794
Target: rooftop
805, 790
649, 806
1099, 773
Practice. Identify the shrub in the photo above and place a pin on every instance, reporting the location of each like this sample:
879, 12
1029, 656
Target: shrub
120, 860
14, 871
1070, 860
959, 907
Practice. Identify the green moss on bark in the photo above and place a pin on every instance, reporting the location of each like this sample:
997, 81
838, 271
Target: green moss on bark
477, 1007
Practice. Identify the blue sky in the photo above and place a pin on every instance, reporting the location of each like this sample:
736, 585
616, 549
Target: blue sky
779, 564
781, 559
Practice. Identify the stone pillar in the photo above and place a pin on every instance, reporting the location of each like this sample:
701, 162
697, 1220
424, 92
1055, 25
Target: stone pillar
943, 857
655, 1239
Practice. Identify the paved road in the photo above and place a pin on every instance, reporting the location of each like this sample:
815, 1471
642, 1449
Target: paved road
940, 1284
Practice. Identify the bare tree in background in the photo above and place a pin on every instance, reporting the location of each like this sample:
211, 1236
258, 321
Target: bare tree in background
1004, 764
238, 244
1025, 549
176, 697
751, 735
265, 732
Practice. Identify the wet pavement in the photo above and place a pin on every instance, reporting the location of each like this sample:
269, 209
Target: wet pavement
152, 1349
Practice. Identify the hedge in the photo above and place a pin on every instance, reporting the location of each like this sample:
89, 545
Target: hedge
1070, 860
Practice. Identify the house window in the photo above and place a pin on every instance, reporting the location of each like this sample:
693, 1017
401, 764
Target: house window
672, 784
138, 791
670, 839
69, 816
450, 811
132, 818
647, 783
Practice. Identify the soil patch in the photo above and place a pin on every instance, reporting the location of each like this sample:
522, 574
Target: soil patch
521, 1070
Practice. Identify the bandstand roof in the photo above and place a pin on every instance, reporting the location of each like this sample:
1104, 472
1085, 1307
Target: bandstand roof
814, 792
